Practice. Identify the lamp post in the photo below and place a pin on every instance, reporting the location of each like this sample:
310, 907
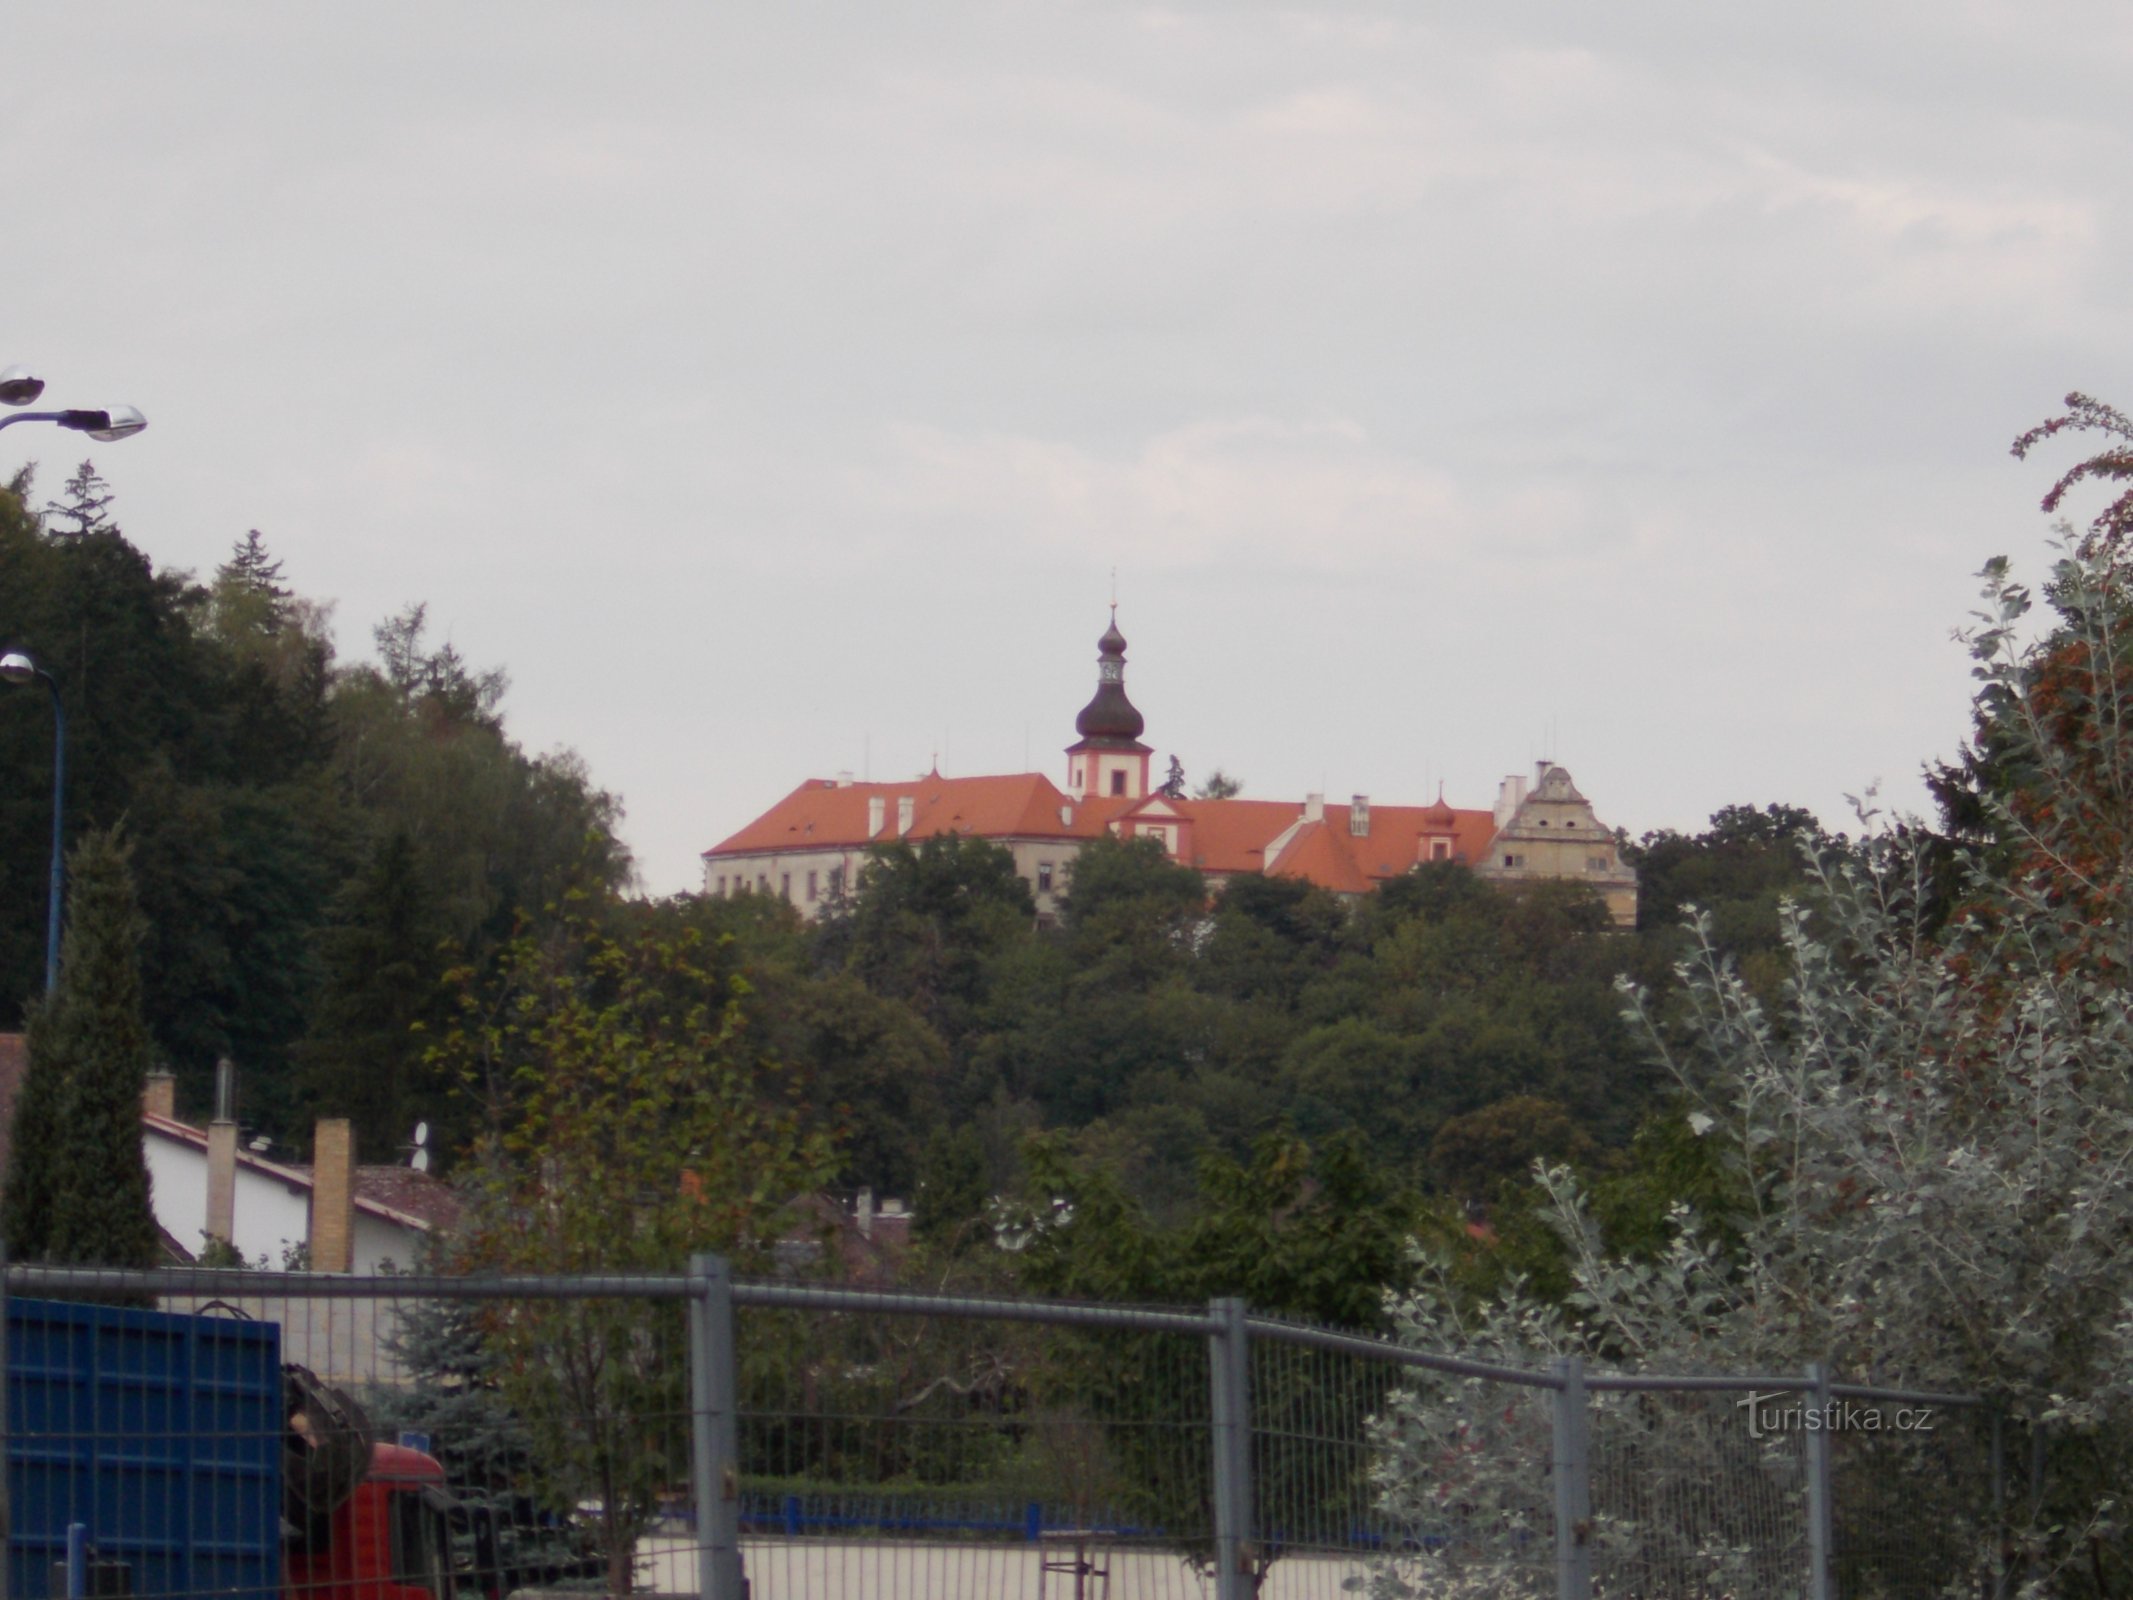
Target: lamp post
120, 422
15, 667
19, 386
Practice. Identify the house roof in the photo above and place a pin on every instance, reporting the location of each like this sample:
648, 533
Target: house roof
1232, 836
414, 1200
1226, 837
824, 814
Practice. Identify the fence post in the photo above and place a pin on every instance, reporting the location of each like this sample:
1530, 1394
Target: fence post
7, 1525
1999, 1504
1573, 1484
1821, 1523
714, 1429
1229, 1375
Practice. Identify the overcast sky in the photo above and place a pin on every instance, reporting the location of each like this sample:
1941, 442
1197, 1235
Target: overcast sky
772, 390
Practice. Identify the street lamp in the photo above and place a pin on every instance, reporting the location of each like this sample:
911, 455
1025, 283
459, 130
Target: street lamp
18, 668
19, 386
120, 422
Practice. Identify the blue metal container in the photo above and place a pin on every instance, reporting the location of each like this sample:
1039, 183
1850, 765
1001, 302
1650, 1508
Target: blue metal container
161, 1432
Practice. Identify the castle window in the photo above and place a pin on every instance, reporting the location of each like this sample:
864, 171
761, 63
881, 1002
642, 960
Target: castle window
1514, 861
811, 886
1118, 780
1572, 823
1440, 849
762, 883
721, 889
836, 881
785, 885
1044, 877
1596, 863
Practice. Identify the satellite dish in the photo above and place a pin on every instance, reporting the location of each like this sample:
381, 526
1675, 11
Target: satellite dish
420, 1160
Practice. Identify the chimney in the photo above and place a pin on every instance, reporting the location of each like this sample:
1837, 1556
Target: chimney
1359, 816
875, 807
863, 1213
1510, 795
159, 1098
844, 779
905, 806
333, 1195
222, 1157
1314, 808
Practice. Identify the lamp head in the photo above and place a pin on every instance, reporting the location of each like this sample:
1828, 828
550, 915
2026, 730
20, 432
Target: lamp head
19, 386
16, 667
120, 422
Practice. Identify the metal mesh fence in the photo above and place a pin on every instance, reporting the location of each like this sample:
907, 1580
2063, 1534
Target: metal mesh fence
1691, 1496
891, 1451
1913, 1492
263, 1436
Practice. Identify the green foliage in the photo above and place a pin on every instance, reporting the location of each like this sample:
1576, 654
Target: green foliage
626, 1130
923, 922
77, 1190
1312, 1234
1477, 1156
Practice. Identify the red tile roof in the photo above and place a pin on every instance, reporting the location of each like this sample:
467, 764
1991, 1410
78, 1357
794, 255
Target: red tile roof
1231, 836
1221, 837
824, 815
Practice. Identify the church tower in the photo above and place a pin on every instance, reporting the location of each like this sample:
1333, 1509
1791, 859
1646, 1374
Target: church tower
1109, 761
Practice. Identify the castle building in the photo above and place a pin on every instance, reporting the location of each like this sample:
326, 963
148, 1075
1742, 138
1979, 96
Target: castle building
809, 847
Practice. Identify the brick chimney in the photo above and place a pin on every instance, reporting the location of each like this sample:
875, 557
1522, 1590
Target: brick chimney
159, 1096
222, 1156
333, 1195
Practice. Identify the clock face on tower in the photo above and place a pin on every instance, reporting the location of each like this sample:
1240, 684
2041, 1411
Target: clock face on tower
1111, 671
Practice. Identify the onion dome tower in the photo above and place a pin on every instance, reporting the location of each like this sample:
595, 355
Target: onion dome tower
1109, 761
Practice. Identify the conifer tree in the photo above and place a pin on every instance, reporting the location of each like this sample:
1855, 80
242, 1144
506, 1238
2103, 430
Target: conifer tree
88, 498
98, 1045
33, 1150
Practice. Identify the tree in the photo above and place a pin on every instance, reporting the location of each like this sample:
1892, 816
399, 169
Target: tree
2107, 531
924, 923
88, 498
78, 1188
1919, 1144
623, 1134
1219, 786
1317, 1234
383, 956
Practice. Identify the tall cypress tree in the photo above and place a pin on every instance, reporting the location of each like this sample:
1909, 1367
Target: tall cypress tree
34, 1156
99, 1044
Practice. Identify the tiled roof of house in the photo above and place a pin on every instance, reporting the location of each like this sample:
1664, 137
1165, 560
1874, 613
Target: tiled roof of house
823, 814
1230, 836
414, 1200
1226, 837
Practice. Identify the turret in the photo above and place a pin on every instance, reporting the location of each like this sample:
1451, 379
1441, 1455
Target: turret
1109, 761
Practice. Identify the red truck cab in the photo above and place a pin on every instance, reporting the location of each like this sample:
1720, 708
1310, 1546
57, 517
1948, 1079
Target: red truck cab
389, 1540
